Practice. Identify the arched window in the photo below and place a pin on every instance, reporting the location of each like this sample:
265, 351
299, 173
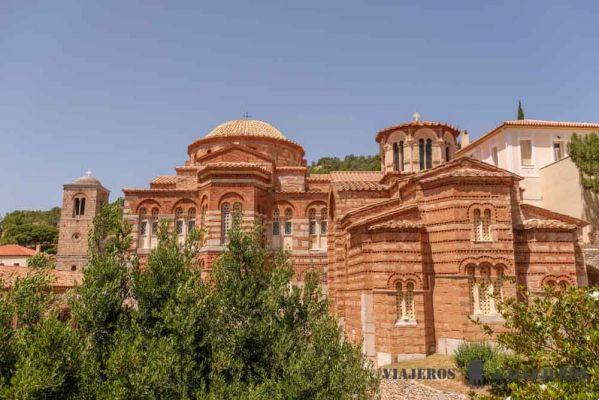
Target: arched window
225, 221
191, 219
154, 221
399, 301
237, 213
482, 225
478, 226
404, 302
485, 290
486, 225
288, 224
324, 223
276, 223
447, 152
79, 207
179, 222
312, 221
421, 153
429, 153
143, 228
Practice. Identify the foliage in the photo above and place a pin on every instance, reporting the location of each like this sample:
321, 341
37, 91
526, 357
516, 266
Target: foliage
40, 261
29, 228
556, 331
349, 163
584, 151
489, 356
520, 111
162, 332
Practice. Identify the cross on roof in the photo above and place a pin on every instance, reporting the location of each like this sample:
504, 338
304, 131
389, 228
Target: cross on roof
246, 115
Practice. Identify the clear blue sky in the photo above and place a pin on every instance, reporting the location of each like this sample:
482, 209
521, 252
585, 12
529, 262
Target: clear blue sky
122, 87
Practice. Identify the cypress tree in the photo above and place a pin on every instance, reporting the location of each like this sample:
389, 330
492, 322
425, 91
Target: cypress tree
520, 111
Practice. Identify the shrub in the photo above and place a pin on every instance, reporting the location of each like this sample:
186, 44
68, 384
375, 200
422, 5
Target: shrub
489, 355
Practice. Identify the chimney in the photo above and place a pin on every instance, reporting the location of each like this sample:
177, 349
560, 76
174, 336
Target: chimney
38, 248
465, 141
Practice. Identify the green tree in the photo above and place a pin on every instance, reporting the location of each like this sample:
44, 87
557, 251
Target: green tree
520, 111
557, 330
29, 228
584, 151
162, 332
349, 163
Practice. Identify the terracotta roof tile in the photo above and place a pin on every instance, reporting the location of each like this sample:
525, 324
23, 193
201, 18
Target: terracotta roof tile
358, 186
165, 179
237, 164
319, 177
536, 223
353, 176
16, 250
246, 127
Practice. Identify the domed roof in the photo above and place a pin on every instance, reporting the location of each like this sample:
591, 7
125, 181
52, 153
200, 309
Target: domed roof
87, 179
246, 127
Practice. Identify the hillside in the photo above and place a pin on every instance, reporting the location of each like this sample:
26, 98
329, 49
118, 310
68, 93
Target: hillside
29, 228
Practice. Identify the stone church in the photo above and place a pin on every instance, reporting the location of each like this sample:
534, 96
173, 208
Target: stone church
406, 254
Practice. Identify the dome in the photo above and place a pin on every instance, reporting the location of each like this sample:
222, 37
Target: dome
246, 127
87, 179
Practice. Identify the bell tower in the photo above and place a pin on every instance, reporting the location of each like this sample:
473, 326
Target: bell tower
81, 202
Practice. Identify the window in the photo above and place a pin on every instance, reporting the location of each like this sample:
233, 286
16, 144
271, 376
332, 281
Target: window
485, 290
237, 214
276, 223
558, 150
429, 152
154, 221
404, 302
495, 156
324, 224
421, 153
482, 225
179, 227
79, 207
225, 221
526, 152
191, 219
398, 159
143, 228
288, 224
447, 152
312, 221
73, 268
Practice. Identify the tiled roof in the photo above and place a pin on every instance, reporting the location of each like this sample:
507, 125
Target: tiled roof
319, 177
353, 176
536, 223
165, 179
539, 122
527, 123
246, 127
16, 250
465, 172
396, 225
359, 186
417, 124
63, 279
238, 164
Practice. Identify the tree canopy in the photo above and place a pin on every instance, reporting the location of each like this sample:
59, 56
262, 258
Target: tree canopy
29, 228
161, 332
584, 151
349, 163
